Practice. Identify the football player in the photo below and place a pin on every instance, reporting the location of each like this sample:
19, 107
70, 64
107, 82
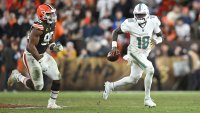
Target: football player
141, 29
36, 60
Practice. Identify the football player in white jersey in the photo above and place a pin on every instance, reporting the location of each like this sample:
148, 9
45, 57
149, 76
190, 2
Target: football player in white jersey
141, 29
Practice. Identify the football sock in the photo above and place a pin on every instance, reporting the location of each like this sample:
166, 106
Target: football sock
54, 90
53, 95
147, 84
21, 78
26, 81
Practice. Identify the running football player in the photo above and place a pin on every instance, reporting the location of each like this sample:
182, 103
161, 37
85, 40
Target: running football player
141, 29
36, 60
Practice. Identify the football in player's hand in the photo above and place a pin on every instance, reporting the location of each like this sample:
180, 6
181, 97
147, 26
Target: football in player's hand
113, 55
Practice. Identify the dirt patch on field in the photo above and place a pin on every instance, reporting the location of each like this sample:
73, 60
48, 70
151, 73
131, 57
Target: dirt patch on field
14, 106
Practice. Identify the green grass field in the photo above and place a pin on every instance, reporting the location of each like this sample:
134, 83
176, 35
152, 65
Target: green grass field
92, 102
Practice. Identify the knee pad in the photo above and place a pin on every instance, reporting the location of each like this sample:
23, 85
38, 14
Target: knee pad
39, 86
150, 70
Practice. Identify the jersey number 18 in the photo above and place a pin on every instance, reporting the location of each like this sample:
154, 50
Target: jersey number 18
143, 42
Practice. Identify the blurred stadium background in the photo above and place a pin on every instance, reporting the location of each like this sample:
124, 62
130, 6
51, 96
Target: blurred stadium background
84, 28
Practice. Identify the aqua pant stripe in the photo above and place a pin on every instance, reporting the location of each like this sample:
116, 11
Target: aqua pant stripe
140, 63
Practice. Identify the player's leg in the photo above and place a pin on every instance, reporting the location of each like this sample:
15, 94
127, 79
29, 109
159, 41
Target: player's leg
135, 75
149, 69
54, 74
35, 82
147, 83
35, 72
16, 76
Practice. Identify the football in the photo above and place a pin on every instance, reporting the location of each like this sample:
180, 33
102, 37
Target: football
113, 56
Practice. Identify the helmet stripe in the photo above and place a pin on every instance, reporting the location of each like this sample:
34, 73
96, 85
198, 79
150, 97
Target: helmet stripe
140, 7
49, 6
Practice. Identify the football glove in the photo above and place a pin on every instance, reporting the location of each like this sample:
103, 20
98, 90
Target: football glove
57, 48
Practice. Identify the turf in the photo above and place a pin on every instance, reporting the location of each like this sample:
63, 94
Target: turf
91, 102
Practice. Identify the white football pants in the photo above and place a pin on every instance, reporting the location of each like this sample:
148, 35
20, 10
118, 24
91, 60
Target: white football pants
35, 70
139, 63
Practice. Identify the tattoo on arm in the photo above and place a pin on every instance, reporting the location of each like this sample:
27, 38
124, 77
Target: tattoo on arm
116, 32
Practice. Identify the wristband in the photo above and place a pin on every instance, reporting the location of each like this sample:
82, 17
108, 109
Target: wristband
114, 43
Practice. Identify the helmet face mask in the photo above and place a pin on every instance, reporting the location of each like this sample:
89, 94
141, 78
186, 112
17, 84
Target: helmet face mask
50, 17
141, 13
47, 13
140, 16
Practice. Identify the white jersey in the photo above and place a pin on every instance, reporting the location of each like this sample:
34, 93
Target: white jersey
140, 37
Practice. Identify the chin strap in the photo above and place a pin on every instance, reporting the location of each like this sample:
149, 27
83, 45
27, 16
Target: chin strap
142, 25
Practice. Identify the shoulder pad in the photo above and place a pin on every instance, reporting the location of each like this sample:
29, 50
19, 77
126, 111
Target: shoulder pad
152, 16
37, 20
38, 26
155, 19
131, 20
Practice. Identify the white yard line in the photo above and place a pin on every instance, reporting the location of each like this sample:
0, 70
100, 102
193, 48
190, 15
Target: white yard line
36, 107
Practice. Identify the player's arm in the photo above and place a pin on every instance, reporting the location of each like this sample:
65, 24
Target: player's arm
156, 40
33, 41
115, 34
159, 37
120, 30
124, 28
55, 47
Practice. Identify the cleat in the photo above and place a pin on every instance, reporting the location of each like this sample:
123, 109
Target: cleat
149, 103
12, 79
107, 90
53, 105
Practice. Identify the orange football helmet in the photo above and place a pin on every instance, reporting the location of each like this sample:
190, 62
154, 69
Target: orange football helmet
46, 12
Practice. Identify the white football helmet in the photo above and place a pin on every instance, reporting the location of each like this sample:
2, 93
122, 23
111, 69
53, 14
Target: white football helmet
141, 13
